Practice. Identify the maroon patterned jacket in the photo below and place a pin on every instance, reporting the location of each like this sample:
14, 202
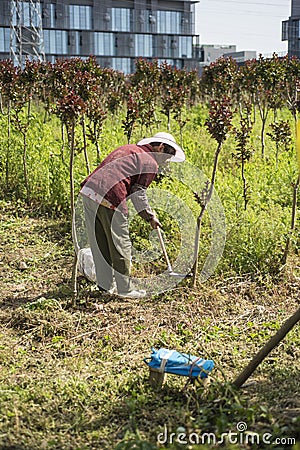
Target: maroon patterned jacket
125, 172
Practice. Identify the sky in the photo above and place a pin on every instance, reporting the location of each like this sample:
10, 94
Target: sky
248, 24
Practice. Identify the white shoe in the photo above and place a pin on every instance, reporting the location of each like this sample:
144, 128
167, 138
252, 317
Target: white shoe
134, 294
111, 291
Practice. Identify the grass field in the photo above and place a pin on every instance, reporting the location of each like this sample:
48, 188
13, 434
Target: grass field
73, 376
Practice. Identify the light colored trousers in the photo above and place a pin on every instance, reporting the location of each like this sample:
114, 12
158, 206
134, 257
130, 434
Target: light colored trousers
110, 244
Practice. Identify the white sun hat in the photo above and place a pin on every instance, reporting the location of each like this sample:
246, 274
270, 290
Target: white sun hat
166, 138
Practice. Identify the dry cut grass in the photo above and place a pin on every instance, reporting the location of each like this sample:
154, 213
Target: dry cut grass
73, 376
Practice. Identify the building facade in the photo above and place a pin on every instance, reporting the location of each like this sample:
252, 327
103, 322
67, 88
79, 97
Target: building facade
291, 30
116, 32
211, 52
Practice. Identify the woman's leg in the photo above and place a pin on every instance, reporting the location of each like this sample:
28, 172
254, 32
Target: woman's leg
99, 245
115, 225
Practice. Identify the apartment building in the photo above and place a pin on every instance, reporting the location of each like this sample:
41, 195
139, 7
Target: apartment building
291, 30
115, 31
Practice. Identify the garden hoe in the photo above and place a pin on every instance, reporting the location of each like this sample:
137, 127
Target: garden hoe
171, 272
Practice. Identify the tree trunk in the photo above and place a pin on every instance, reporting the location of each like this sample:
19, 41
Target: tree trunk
7, 162
24, 133
1, 104
200, 217
86, 158
97, 143
245, 197
74, 279
62, 150
262, 136
71, 139
293, 221
169, 120
263, 111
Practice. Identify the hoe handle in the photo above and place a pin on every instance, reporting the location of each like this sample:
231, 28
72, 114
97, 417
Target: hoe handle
163, 247
273, 342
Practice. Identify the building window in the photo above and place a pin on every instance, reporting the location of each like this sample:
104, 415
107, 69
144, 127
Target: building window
4, 40
104, 44
169, 22
78, 43
143, 45
185, 46
285, 30
80, 17
52, 14
56, 42
122, 65
49, 13
26, 14
144, 21
120, 19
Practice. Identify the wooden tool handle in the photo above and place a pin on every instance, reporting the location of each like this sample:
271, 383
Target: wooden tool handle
162, 244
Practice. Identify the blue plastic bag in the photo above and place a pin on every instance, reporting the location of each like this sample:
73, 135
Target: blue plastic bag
171, 361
